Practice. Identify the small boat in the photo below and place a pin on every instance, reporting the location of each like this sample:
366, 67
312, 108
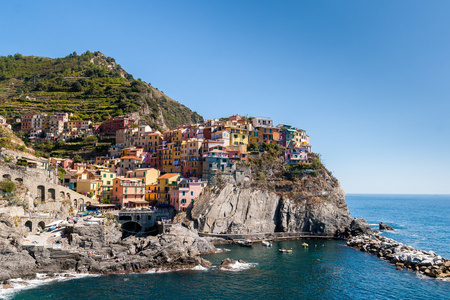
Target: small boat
267, 243
245, 243
305, 245
285, 250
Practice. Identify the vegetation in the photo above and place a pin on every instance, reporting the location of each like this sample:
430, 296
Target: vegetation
7, 186
90, 86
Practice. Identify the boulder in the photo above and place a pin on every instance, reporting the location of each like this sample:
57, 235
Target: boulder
384, 226
226, 263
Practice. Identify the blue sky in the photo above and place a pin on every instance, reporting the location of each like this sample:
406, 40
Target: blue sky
368, 80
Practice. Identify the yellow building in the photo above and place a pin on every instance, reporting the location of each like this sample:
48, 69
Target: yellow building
148, 176
152, 141
107, 178
91, 188
164, 183
238, 136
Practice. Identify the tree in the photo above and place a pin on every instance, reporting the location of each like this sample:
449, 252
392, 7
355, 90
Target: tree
60, 143
77, 159
76, 87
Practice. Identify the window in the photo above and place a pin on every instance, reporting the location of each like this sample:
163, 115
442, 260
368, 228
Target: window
104, 175
192, 193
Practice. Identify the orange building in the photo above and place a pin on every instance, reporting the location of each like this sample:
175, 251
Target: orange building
128, 191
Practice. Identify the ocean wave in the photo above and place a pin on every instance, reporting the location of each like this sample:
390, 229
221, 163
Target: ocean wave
7, 291
237, 266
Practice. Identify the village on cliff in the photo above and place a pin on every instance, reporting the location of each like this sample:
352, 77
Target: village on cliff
147, 167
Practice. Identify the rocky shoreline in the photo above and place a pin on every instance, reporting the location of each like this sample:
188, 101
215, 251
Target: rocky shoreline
100, 250
403, 256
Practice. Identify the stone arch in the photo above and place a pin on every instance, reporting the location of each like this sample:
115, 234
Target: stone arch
130, 228
29, 225
52, 194
41, 192
7, 176
41, 225
62, 195
81, 204
18, 179
75, 203
88, 203
68, 196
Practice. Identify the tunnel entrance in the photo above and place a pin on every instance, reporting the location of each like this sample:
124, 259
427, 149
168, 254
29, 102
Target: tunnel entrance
29, 226
130, 228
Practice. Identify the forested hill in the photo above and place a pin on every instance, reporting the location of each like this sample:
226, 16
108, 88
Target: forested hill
92, 86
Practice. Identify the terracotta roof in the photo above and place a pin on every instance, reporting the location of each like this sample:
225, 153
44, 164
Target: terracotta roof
168, 175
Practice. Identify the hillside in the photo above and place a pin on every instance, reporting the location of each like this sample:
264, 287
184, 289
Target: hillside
91, 86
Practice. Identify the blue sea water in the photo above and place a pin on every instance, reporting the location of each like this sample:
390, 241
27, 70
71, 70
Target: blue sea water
325, 270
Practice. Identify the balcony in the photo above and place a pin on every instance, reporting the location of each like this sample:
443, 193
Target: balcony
132, 184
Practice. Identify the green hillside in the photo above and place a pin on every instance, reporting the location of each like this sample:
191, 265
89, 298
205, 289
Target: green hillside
91, 86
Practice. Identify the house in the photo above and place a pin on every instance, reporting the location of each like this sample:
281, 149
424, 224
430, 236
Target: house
164, 183
107, 178
223, 136
128, 192
116, 123
237, 153
92, 188
149, 176
294, 155
262, 122
128, 163
185, 192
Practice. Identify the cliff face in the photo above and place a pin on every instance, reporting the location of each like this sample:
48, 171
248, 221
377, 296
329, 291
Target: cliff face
312, 203
236, 209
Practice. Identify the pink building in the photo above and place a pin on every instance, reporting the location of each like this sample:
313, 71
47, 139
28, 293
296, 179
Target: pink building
294, 155
184, 194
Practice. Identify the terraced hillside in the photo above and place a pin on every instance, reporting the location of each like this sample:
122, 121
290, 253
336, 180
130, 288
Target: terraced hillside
91, 86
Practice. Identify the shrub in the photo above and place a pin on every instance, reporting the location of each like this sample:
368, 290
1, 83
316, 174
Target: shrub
7, 186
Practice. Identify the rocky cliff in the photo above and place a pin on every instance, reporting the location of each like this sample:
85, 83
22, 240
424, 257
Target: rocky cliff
310, 202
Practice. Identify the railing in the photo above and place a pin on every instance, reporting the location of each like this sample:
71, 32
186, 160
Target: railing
132, 184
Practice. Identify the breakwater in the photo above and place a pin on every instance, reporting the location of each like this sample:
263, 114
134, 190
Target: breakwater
403, 256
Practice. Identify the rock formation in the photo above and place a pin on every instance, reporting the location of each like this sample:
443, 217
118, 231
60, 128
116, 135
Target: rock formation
100, 249
403, 256
314, 204
384, 226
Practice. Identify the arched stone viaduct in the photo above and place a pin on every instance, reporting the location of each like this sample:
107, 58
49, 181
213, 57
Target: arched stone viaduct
39, 184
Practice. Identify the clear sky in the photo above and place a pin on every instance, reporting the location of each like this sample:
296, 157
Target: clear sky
368, 80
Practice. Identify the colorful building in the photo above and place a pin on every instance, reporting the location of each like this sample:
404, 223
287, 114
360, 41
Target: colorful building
127, 192
185, 192
164, 183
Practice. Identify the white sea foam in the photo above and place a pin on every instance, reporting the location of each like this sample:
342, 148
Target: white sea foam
220, 250
18, 284
237, 266
199, 268
155, 271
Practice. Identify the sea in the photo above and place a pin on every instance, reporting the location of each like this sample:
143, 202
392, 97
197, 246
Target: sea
327, 269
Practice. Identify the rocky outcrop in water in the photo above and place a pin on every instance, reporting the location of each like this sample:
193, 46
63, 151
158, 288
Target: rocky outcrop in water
384, 226
313, 204
403, 256
99, 249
